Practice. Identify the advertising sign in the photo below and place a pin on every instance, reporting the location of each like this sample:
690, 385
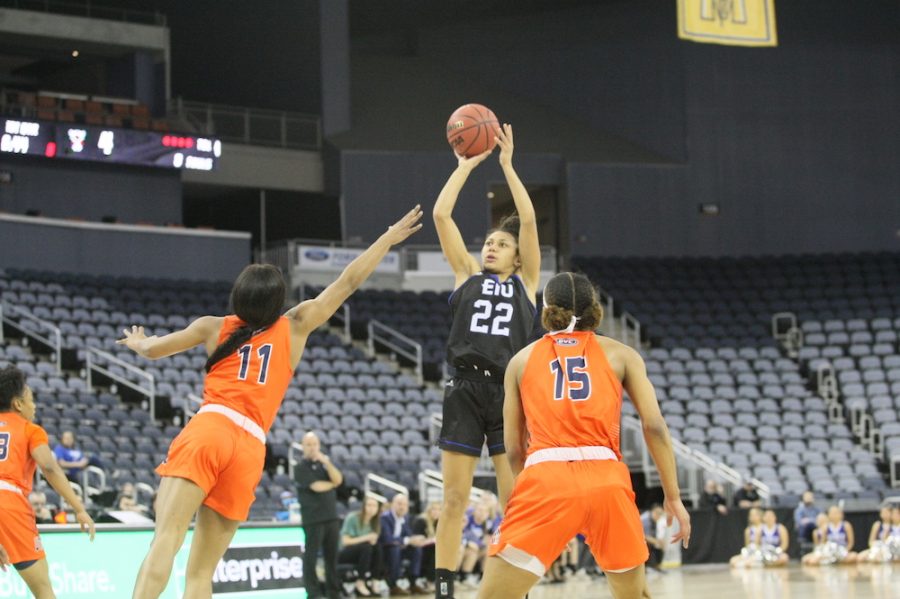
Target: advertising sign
333, 259
265, 561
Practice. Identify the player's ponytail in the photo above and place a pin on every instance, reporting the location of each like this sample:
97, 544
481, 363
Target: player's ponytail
567, 296
257, 299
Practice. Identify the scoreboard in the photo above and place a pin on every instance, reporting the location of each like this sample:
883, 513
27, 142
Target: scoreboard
105, 144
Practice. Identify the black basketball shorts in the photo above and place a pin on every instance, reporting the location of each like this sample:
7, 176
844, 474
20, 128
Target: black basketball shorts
473, 416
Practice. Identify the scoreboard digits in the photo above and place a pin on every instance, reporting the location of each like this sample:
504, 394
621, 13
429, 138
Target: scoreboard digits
123, 146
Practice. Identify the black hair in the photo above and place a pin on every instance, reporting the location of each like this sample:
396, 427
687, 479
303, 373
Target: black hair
509, 224
257, 298
12, 385
569, 294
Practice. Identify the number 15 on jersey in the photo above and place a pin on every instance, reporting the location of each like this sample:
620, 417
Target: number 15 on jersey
572, 382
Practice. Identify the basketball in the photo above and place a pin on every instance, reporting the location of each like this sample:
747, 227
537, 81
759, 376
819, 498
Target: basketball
471, 130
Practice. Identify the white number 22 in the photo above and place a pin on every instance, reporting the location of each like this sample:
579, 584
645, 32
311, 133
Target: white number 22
500, 315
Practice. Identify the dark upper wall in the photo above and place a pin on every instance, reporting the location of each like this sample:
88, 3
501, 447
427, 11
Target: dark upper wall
799, 144
121, 250
65, 189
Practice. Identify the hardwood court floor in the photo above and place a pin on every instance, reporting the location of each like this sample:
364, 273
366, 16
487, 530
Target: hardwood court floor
720, 582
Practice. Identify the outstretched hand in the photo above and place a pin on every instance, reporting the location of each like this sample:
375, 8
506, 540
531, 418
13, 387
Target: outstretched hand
406, 226
135, 339
473, 161
504, 139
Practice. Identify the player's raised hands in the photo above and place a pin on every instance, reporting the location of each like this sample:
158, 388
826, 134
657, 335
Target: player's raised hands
470, 163
406, 226
675, 511
505, 143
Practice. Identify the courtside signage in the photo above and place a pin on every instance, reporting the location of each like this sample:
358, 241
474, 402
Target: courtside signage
331, 259
266, 560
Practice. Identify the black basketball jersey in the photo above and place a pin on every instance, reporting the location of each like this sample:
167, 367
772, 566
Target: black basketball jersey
491, 322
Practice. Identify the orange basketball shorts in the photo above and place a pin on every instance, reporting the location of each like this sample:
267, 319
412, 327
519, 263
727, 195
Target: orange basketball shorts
222, 459
552, 502
18, 530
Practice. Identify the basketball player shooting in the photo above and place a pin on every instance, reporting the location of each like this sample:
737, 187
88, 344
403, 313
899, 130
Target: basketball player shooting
492, 307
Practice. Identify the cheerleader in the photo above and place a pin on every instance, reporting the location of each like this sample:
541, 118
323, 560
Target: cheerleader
774, 540
878, 550
837, 545
749, 555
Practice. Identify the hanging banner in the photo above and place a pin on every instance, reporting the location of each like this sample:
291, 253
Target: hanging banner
728, 22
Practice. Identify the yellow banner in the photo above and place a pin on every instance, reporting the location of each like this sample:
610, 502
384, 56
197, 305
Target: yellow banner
729, 22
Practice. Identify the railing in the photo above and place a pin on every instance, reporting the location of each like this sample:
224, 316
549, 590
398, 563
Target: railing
431, 487
626, 328
88, 9
343, 317
630, 332
292, 460
144, 491
786, 331
693, 466
252, 126
189, 402
91, 366
374, 479
53, 340
90, 473
397, 343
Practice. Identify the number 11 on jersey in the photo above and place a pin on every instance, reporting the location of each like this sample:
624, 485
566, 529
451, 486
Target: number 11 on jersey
264, 352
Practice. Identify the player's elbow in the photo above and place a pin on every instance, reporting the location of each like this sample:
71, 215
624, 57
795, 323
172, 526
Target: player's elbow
440, 215
655, 428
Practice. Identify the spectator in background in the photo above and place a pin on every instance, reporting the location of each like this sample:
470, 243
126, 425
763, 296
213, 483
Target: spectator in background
650, 521
288, 498
72, 459
805, 517
127, 501
475, 536
746, 497
398, 542
359, 544
426, 526
317, 478
42, 513
713, 498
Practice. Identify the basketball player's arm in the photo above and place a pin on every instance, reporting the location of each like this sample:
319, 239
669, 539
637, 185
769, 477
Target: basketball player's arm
57, 479
312, 314
515, 436
4, 559
204, 330
461, 261
529, 246
656, 434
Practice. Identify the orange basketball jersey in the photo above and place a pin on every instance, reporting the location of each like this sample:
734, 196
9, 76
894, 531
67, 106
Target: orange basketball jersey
253, 380
570, 394
18, 438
